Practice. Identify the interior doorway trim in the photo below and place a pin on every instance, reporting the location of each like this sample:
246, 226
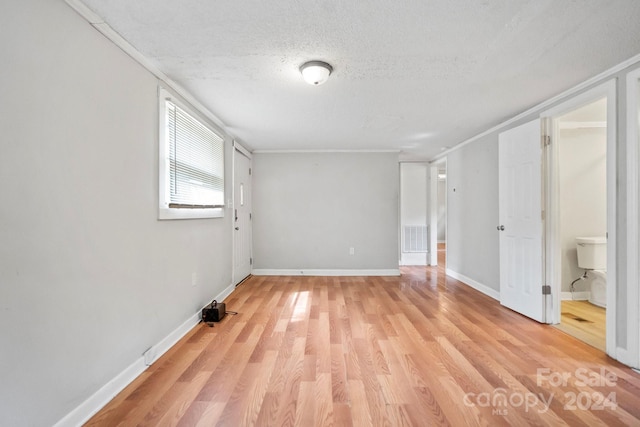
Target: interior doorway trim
552, 198
433, 210
631, 355
238, 150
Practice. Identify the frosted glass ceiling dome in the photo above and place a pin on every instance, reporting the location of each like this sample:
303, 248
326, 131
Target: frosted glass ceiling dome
316, 72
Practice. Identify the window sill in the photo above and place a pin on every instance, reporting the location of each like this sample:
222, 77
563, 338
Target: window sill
168, 213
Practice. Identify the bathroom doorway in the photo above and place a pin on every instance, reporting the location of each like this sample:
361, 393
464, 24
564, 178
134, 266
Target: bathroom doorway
579, 201
583, 213
438, 213
441, 231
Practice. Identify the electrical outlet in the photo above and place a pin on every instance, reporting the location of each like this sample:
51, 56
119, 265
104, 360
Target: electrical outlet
352, 251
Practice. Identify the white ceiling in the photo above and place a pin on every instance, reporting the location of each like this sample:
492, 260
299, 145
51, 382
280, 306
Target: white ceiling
415, 76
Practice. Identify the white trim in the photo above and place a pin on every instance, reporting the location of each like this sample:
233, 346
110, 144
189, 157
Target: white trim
625, 356
399, 208
246, 152
322, 151
173, 213
551, 261
433, 210
100, 398
98, 23
238, 149
533, 110
606, 89
474, 284
84, 11
575, 296
632, 353
164, 211
600, 91
156, 351
83, 412
582, 125
324, 272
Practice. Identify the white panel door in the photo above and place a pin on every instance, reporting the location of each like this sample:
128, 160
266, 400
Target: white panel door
521, 227
242, 216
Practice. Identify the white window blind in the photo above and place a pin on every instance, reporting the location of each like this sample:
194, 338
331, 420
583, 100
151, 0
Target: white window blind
195, 161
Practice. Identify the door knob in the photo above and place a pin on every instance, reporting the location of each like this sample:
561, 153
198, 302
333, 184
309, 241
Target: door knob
237, 228
500, 228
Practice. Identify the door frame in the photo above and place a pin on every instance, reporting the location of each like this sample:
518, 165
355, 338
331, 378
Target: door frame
433, 210
631, 355
551, 200
238, 150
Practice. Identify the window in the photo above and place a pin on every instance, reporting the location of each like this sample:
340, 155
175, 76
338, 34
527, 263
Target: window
191, 163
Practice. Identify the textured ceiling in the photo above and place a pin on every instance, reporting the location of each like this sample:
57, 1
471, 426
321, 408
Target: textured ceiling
415, 76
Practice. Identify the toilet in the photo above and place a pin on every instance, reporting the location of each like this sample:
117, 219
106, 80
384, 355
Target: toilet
592, 256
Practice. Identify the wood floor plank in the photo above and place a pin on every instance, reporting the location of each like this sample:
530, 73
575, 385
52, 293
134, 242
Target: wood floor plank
584, 321
306, 407
415, 350
359, 404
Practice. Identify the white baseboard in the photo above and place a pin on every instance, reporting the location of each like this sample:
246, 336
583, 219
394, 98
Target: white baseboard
474, 284
322, 272
578, 296
100, 398
624, 356
106, 393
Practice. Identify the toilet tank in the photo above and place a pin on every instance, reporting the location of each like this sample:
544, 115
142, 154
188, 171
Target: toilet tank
592, 253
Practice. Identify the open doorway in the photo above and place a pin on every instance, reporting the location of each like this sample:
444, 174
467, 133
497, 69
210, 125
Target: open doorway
582, 180
581, 223
413, 213
442, 215
438, 213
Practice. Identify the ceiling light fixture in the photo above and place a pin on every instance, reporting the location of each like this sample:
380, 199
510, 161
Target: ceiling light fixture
315, 72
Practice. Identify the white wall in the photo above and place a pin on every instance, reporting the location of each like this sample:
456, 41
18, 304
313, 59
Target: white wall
310, 208
583, 195
413, 204
89, 278
472, 212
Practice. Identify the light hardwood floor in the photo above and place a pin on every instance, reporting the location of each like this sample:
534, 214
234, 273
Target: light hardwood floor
421, 349
585, 321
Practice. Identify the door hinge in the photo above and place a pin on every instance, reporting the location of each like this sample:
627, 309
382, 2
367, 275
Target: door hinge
249, 171
249, 216
546, 290
542, 215
250, 261
545, 141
